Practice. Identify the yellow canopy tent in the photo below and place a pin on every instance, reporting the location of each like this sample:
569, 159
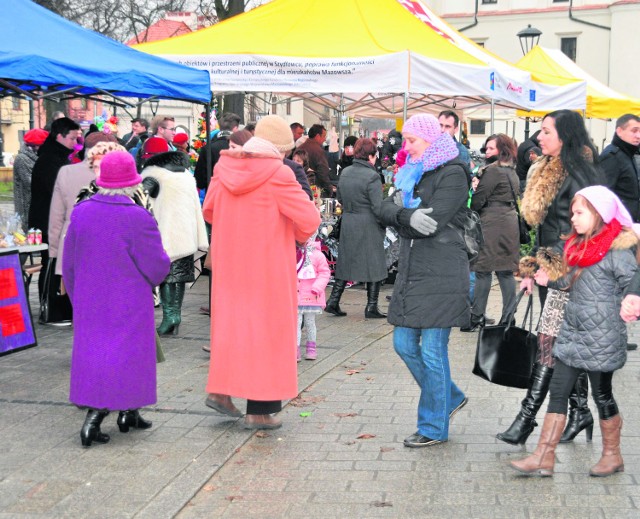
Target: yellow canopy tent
390, 52
554, 67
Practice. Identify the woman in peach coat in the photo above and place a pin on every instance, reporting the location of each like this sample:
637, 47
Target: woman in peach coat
257, 212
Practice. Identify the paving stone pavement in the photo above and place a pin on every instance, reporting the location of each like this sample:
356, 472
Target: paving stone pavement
44, 471
339, 453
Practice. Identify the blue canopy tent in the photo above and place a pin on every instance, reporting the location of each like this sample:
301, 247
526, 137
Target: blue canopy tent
42, 55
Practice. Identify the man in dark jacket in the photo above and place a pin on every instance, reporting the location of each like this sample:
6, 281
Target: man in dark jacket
52, 155
139, 132
620, 162
528, 151
228, 124
318, 158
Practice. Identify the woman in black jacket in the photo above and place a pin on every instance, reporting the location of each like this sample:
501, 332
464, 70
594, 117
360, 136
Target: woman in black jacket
432, 287
565, 167
361, 247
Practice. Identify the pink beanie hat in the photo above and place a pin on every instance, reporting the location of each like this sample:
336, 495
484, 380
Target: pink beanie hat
118, 170
607, 204
425, 126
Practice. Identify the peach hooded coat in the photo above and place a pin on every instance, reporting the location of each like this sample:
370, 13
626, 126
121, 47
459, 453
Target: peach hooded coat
257, 211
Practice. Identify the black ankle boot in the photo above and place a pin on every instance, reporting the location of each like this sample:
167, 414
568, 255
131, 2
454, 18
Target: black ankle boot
333, 304
474, 323
525, 422
580, 416
133, 419
373, 292
90, 431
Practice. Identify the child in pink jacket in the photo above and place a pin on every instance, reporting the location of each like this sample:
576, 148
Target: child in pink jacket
313, 277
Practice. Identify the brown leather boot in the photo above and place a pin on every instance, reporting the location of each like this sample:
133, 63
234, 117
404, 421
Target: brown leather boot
541, 462
611, 459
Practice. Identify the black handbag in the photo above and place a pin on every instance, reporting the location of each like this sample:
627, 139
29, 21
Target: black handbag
523, 228
505, 353
471, 233
55, 307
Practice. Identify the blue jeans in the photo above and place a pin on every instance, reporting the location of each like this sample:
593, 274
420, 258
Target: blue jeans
425, 352
472, 285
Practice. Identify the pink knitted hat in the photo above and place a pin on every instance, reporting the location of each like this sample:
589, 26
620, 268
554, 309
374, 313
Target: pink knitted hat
425, 126
607, 204
118, 170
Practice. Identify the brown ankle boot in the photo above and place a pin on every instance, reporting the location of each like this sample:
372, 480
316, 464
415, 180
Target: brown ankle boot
541, 462
611, 459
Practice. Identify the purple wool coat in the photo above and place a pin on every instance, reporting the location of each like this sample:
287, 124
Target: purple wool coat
113, 257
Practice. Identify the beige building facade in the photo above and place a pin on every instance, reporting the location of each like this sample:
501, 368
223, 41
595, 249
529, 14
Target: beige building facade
601, 36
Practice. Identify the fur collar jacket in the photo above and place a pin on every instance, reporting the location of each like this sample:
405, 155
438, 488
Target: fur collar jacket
545, 179
553, 263
177, 210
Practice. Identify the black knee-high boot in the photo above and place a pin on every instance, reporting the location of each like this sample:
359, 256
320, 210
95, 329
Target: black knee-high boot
90, 431
373, 292
580, 416
525, 421
333, 304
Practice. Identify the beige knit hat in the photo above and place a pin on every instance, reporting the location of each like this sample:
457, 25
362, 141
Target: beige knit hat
274, 129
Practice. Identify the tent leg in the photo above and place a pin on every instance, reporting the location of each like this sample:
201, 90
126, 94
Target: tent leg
405, 106
493, 115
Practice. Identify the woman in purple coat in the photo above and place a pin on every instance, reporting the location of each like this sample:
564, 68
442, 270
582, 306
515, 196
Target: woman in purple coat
113, 258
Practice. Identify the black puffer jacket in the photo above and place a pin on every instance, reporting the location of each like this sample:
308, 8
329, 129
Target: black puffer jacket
432, 286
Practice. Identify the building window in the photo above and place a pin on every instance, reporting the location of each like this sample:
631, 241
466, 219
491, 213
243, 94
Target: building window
289, 106
15, 103
477, 127
558, 1
569, 46
489, 1
274, 105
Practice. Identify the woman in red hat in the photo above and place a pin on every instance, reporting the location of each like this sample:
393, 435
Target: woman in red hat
22, 167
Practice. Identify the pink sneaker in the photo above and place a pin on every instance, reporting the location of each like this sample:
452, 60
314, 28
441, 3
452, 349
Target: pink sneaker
311, 351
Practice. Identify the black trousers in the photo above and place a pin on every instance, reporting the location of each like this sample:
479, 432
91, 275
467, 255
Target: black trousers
564, 378
264, 406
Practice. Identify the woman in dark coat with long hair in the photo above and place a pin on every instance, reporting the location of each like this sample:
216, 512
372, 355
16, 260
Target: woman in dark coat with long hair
361, 247
565, 167
494, 200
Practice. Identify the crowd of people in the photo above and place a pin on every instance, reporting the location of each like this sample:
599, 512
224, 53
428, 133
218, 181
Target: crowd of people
583, 207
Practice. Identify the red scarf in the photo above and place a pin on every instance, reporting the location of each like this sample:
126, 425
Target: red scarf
595, 249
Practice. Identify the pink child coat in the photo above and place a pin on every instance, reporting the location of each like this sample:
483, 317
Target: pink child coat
323, 274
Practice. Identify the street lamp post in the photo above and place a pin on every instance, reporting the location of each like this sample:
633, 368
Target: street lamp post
529, 38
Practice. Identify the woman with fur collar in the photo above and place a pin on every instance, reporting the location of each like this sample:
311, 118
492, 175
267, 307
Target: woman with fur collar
565, 167
176, 206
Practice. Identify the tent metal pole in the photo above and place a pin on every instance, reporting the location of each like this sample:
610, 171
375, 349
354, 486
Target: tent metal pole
493, 115
207, 124
405, 104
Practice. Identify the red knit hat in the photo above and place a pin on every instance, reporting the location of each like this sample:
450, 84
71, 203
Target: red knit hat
35, 137
118, 170
180, 138
153, 146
